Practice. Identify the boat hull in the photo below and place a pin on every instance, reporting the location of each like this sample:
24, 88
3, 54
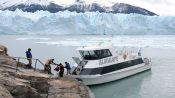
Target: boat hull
116, 75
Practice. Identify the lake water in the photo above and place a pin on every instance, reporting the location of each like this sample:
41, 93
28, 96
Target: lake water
159, 82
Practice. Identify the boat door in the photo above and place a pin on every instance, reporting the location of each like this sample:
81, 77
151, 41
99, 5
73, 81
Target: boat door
80, 63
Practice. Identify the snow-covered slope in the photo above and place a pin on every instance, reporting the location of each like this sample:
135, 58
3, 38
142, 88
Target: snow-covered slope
46, 23
8, 3
78, 6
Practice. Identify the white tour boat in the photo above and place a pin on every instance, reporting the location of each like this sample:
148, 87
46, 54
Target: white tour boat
104, 64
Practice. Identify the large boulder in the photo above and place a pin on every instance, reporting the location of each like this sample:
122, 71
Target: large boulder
3, 50
4, 93
18, 88
24, 91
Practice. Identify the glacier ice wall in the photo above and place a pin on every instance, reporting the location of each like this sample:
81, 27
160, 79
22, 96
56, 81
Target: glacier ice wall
45, 23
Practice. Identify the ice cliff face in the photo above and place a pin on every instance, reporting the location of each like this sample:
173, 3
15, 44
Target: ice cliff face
78, 6
80, 18
46, 23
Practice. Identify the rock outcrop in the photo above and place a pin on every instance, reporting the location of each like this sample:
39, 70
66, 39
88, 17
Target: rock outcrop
29, 84
3, 50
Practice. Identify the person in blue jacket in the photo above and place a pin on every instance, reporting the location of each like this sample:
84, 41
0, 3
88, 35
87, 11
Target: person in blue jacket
68, 67
29, 58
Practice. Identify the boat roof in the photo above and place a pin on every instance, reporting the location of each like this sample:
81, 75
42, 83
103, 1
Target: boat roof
94, 47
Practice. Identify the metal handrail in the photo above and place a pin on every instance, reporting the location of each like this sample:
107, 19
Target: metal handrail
36, 60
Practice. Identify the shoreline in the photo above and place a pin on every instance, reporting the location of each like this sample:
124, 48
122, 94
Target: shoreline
29, 84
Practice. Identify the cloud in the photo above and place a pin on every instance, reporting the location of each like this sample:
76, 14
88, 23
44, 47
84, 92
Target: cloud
64, 2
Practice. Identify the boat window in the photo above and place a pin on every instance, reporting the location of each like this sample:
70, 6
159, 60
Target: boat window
103, 53
95, 54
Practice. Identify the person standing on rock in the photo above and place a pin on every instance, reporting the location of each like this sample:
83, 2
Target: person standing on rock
3, 50
29, 58
47, 67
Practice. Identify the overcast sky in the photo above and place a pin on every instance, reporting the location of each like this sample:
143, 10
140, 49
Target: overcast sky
160, 7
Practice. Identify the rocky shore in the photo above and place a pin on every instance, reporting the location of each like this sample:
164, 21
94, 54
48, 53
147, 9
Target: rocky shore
29, 84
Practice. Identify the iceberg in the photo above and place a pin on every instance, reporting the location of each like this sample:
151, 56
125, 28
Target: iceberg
72, 23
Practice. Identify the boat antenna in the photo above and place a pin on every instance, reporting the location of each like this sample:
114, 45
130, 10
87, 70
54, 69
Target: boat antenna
123, 50
139, 52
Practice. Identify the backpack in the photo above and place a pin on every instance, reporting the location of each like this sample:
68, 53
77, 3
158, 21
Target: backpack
57, 68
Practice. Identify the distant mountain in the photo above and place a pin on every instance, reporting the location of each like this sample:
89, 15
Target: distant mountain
127, 9
80, 7
53, 8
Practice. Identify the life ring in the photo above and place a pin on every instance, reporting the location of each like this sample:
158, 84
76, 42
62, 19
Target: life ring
147, 61
124, 56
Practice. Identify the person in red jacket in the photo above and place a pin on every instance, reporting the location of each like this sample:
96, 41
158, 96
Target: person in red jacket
61, 70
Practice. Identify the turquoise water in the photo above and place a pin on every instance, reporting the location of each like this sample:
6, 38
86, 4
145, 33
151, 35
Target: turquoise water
159, 82
155, 83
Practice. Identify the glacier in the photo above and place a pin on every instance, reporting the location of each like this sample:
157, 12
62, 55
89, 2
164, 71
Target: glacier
72, 23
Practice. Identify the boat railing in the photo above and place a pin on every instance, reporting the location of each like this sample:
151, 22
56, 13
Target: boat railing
18, 59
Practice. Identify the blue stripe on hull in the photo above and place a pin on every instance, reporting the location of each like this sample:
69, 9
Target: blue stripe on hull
111, 68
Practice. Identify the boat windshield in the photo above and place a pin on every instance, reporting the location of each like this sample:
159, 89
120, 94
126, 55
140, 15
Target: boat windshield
95, 54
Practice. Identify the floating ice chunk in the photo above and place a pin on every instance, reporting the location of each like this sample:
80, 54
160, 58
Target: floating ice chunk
33, 38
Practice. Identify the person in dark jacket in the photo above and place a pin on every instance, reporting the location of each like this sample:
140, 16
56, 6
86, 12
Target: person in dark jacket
29, 58
68, 68
61, 70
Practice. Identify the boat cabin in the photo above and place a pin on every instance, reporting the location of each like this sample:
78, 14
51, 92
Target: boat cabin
94, 53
